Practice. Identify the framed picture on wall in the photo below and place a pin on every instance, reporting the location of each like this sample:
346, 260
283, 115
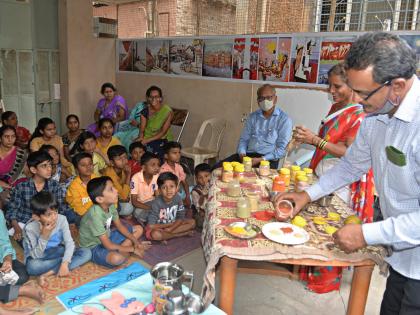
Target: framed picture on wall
217, 58
186, 56
305, 59
139, 55
333, 51
245, 58
125, 55
157, 56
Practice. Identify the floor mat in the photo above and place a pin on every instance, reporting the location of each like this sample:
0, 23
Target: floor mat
98, 286
174, 248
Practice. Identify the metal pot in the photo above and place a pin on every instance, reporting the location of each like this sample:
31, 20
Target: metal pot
167, 277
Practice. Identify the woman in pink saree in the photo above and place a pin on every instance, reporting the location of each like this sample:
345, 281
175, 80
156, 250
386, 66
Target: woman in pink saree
112, 106
12, 162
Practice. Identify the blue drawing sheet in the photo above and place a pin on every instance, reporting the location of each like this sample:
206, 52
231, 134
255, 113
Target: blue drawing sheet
98, 286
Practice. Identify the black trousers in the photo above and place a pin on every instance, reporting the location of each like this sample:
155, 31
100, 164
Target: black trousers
10, 292
402, 295
274, 164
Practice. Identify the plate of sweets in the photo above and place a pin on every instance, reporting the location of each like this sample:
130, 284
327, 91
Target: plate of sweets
242, 230
285, 233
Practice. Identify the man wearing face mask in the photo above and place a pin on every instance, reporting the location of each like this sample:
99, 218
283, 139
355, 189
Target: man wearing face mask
266, 132
381, 71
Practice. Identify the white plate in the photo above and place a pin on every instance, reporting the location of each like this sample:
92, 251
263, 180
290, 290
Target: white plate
273, 232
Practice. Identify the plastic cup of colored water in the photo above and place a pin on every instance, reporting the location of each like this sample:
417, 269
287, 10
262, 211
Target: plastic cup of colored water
284, 210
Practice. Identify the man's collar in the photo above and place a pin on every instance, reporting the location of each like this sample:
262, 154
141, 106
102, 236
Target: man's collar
410, 104
276, 112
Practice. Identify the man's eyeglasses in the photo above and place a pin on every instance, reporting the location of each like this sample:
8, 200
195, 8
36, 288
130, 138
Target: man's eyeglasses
263, 98
45, 165
386, 83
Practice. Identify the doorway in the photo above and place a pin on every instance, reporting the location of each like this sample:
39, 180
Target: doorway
29, 85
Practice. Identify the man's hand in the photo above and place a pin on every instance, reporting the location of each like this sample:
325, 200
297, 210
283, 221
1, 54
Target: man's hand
256, 161
300, 199
64, 270
133, 122
187, 202
7, 264
47, 228
350, 238
18, 232
127, 171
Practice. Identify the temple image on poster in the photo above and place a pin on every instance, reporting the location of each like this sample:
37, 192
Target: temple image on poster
245, 58
217, 58
157, 56
139, 62
304, 63
125, 56
414, 42
333, 51
186, 56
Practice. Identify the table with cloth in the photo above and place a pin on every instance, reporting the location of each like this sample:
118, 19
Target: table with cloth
320, 250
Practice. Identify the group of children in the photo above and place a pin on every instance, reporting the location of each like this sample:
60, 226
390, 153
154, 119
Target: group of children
45, 216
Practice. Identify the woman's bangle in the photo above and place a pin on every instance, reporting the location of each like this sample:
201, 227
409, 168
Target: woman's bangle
323, 144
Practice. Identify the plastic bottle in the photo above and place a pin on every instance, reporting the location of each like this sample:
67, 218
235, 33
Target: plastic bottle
284, 174
247, 161
264, 168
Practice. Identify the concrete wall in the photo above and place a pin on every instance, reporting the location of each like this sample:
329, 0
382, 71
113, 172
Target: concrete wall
45, 21
86, 62
19, 36
211, 98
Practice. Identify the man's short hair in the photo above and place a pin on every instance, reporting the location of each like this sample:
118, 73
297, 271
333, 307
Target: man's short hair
43, 201
115, 151
165, 176
172, 145
147, 156
96, 187
203, 167
135, 145
38, 157
80, 156
266, 86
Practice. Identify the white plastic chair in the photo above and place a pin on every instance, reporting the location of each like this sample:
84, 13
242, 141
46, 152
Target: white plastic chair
197, 152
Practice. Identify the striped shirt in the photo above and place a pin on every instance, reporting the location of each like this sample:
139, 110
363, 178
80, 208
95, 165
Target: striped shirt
398, 186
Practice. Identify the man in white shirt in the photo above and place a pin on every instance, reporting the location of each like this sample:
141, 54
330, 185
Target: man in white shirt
381, 71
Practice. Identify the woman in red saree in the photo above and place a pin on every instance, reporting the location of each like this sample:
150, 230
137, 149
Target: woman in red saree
339, 129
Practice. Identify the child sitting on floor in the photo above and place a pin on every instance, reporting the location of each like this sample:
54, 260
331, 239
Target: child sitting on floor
199, 193
8, 265
87, 143
137, 149
166, 218
19, 211
144, 186
110, 248
172, 158
120, 173
48, 245
77, 196
59, 173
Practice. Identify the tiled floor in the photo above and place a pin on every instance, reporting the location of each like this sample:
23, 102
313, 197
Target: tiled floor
272, 295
